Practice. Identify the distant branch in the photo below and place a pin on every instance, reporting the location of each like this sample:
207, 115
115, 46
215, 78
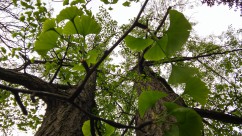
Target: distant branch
162, 21
179, 59
60, 65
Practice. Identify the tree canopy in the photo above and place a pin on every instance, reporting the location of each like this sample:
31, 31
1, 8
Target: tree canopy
79, 73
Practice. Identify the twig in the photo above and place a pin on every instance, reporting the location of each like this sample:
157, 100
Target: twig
162, 21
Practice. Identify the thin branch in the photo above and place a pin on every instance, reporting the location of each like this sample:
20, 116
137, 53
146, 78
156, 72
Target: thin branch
162, 21
19, 102
60, 65
106, 53
37, 93
179, 59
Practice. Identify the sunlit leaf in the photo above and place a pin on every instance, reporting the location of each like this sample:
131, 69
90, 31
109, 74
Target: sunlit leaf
86, 128
87, 25
92, 57
68, 13
78, 67
197, 89
49, 24
46, 42
69, 28
178, 31
109, 130
137, 44
156, 52
147, 99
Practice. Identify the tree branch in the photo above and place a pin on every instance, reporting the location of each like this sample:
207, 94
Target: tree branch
18, 100
162, 21
29, 81
179, 59
219, 116
106, 53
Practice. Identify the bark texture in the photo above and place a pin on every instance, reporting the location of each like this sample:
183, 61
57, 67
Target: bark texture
151, 81
62, 118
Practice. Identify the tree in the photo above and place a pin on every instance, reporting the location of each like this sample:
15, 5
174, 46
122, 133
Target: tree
66, 64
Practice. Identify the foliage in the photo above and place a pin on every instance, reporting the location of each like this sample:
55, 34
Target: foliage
66, 49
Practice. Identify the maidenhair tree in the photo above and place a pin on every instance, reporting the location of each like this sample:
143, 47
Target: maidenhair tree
80, 74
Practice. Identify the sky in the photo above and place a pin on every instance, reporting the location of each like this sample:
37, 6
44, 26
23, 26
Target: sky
210, 20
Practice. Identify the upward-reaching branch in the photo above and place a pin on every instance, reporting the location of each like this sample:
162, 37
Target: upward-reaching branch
107, 52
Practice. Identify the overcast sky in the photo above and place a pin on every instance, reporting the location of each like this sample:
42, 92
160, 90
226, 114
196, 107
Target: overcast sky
210, 20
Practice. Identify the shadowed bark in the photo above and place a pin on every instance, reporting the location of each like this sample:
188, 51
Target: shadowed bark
151, 81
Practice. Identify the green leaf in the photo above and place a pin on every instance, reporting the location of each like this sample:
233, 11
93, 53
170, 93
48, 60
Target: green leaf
68, 13
170, 106
109, 130
156, 52
188, 121
78, 67
109, 1
65, 2
147, 99
74, 2
86, 128
137, 44
178, 31
197, 89
87, 25
174, 131
126, 4
46, 42
181, 74
49, 24
69, 28
92, 57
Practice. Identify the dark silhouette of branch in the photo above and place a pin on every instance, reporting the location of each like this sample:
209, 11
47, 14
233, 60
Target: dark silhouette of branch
39, 93
179, 59
219, 116
19, 102
60, 65
162, 21
106, 53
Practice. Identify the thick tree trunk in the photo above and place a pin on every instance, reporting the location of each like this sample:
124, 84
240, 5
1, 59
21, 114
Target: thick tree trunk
63, 119
151, 81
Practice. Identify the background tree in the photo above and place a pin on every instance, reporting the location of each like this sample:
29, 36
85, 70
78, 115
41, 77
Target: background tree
168, 83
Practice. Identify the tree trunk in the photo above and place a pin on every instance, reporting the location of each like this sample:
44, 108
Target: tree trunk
151, 81
63, 119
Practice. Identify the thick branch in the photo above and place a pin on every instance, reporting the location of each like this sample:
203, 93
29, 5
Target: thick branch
29, 81
219, 116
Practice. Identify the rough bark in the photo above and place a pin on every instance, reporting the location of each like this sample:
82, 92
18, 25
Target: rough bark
63, 119
151, 81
